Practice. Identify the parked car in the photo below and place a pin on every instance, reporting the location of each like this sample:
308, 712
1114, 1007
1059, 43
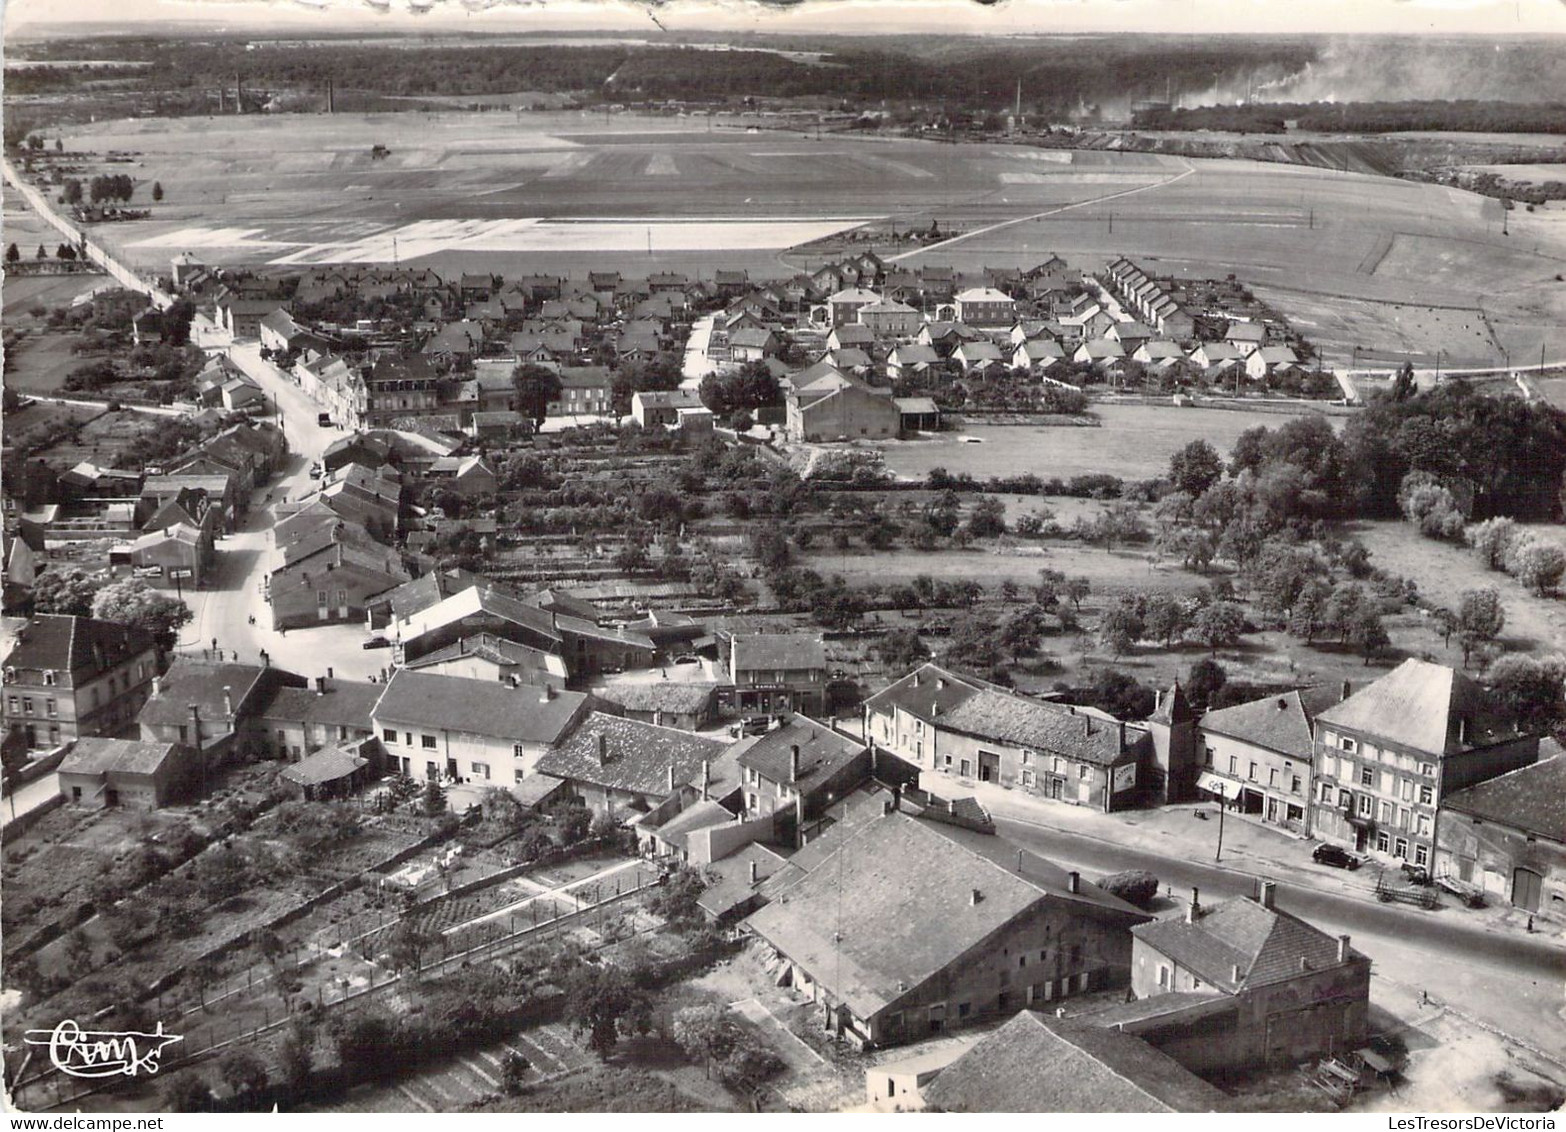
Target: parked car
324, 420
377, 643
687, 659
1337, 858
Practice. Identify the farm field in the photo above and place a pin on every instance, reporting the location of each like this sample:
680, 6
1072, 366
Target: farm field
1134, 442
572, 191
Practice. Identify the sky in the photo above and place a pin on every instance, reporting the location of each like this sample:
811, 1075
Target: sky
854, 17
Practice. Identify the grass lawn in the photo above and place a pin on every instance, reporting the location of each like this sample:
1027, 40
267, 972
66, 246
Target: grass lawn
42, 361
1443, 571
1122, 569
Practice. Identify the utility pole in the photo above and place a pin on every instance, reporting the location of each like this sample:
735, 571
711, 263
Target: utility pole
1223, 804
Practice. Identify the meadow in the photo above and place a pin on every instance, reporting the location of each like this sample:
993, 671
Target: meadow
1418, 268
1133, 442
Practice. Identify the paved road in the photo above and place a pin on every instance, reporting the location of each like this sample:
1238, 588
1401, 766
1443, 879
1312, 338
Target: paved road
1513, 982
245, 558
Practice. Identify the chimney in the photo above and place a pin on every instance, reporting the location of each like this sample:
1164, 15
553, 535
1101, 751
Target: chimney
1087, 725
799, 817
1343, 949
974, 896
1060, 1012
1238, 974
951, 805
670, 778
320, 685
1073, 879
1346, 690
603, 750
1462, 730
1265, 894
329, 673
940, 683
545, 694
228, 702
157, 686
1122, 735
915, 679
195, 727
706, 778
1195, 909
897, 798
793, 763
753, 874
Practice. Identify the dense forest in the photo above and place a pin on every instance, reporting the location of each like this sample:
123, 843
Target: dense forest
1364, 117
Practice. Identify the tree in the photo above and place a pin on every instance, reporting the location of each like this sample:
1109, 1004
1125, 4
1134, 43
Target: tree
1076, 589
1480, 619
269, 946
1120, 627
1538, 565
1137, 886
12, 254
1403, 385
602, 1000
222, 873
1195, 468
295, 1059
42, 253
1218, 624
66, 591
1367, 633
536, 387
1430, 506
1203, 683
574, 823
1530, 690
78, 953
942, 513
202, 974
242, 1072
433, 801
1309, 613
65, 252
133, 602
72, 191
1493, 540
1165, 617
901, 649
703, 1033
408, 942
157, 190
988, 519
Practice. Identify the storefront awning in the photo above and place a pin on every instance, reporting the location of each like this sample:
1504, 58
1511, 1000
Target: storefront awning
1217, 784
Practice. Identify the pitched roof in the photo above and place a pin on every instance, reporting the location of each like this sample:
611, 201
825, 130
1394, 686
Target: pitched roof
779, 651
1531, 799
479, 707
1006, 717
1281, 723
983, 295
822, 753
326, 765
626, 754
345, 703
924, 690
891, 905
82, 645
100, 756
201, 682
496, 650
1040, 1063
429, 589
729, 879
659, 695
1265, 945
703, 814
1419, 705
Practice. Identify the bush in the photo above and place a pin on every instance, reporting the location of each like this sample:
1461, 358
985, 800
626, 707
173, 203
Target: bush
1136, 886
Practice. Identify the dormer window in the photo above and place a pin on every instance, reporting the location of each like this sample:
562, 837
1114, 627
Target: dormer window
48, 677
10, 675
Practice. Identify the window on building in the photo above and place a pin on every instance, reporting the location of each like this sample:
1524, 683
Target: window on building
12, 702
320, 597
1345, 799
1427, 769
1295, 813
481, 770
427, 742
48, 677
1422, 824
1366, 805
1383, 841
1082, 772
1295, 785
1421, 855
1234, 765
1402, 817
1272, 776
27, 705
1400, 847
1027, 757
1163, 977
518, 751
963, 1009
1426, 795
1207, 756
1252, 774
51, 708
183, 733
1367, 776
1386, 813
1348, 745
1027, 778
1325, 793
389, 734
516, 775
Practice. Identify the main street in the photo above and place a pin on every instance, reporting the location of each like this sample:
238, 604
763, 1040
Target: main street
1513, 982
234, 592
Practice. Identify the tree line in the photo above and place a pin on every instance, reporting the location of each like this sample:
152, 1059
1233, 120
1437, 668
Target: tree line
1467, 115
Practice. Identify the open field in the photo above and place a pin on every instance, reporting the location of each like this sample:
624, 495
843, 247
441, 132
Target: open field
1555, 172
1134, 442
495, 192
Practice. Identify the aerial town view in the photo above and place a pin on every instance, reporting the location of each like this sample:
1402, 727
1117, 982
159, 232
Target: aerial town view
784, 558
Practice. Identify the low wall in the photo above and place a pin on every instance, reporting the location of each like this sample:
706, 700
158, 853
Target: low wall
25, 822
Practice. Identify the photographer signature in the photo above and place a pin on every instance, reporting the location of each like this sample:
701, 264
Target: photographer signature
102, 1053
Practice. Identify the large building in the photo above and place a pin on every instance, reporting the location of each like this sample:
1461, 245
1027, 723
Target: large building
1389, 755
1506, 838
101, 773
452, 729
899, 927
775, 673
1257, 756
1244, 984
72, 677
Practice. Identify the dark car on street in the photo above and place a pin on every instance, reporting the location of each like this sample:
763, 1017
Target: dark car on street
1337, 858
